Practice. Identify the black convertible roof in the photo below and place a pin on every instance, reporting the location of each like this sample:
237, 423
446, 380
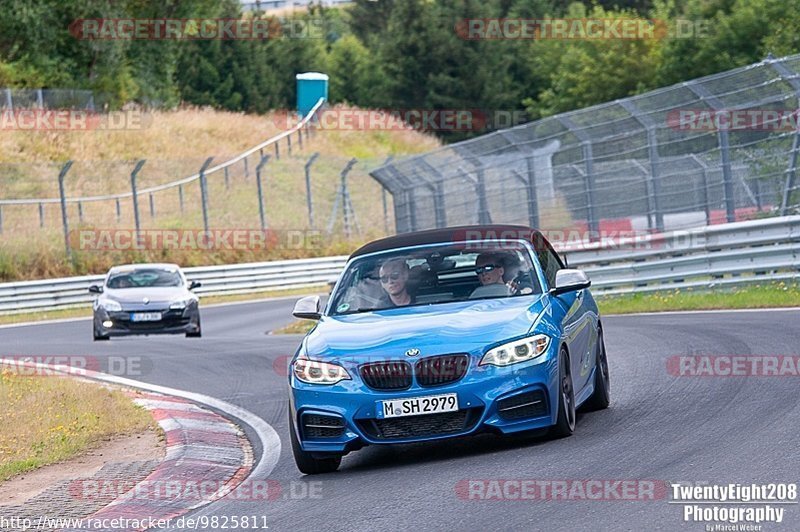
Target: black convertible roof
449, 234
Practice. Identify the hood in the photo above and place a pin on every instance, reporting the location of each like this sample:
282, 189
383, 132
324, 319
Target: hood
156, 295
433, 329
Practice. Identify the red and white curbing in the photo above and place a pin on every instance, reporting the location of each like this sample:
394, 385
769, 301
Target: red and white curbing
202, 449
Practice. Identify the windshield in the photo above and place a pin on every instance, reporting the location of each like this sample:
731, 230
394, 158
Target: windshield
430, 275
144, 277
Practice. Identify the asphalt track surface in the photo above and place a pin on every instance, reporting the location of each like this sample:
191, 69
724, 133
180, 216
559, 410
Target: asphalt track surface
659, 426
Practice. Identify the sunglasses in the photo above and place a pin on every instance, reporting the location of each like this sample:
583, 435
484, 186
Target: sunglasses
486, 268
393, 276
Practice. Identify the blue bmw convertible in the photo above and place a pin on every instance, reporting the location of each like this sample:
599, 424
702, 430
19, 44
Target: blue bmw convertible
444, 333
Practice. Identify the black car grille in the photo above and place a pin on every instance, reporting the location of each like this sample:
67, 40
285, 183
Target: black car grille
317, 426
530, 404
420, 426
387, 375
439, 370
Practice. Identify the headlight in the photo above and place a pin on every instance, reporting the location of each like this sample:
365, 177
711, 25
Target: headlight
110, 305
316, 372
517, 351
179, 305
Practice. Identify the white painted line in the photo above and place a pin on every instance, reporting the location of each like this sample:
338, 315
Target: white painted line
270, 441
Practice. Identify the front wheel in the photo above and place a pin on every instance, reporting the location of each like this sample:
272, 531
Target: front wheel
601, 397
565, 422
196, 334
306, 462
98, 336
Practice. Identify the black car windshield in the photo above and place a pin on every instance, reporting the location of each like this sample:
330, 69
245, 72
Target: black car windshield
144, 278
435, 274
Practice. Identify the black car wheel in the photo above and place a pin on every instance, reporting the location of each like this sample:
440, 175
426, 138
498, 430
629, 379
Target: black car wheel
601, 397
565, 422
196, 334
99, 336
306, 462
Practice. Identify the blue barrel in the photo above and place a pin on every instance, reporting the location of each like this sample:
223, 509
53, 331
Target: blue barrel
311, 86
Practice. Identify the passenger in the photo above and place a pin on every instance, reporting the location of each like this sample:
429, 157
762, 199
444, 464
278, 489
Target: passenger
394, 280
490, 271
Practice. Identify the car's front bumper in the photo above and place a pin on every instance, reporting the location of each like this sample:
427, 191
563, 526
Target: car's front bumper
172, 322
485, 395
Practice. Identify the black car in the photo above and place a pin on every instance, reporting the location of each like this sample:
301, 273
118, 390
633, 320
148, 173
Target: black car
145, 299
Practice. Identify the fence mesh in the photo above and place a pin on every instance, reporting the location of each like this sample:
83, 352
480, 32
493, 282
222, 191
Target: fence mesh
668, 159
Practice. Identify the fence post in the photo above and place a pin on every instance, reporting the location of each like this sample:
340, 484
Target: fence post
135, 198
80, 212
533, 200
790, 77
289, 144
300, 138
227, 182
343, 197
309, 202
261, 215
246, 169
41, 215
119, 210
180, 196
204, 191
152, 206
483, 205
39, 99
277, 151
64, 221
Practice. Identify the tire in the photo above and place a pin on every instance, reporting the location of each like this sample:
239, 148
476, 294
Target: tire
601, 397
196, 334
305, 461
565, 421
97, 336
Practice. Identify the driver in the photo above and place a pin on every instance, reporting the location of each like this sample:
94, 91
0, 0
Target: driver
394, 281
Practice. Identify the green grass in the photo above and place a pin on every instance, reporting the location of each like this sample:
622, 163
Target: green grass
49, 419
766, 295
296, 327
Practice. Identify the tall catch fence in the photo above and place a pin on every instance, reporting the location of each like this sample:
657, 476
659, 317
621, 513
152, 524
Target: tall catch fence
718, 149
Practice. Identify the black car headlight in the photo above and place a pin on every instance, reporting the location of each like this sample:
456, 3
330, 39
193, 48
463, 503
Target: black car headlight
517, 351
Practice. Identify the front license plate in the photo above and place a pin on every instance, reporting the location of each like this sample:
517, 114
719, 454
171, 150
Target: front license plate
146, 316
415, 406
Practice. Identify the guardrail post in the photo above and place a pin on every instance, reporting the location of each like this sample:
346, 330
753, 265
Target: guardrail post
152, 206
119, 210
309, 202
135, 197
62, 195
204, 191
533, 200
41, 215
261, 215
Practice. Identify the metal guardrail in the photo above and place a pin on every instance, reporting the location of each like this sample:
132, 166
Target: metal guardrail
740, 253
217, 280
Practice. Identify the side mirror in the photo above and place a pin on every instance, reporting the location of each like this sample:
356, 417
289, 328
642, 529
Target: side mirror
195, 284
96, 289
570, 281
307, 308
